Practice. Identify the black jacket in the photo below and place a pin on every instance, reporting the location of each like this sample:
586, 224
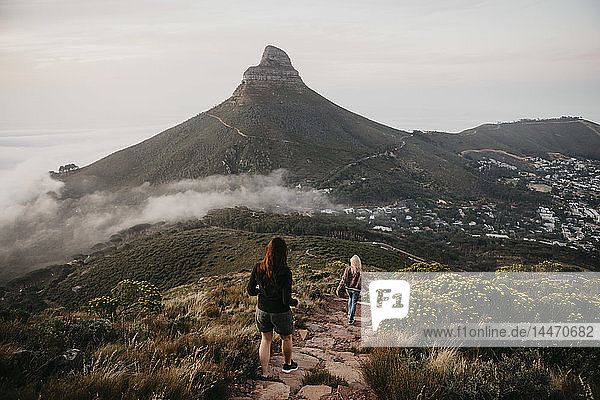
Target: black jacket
273, 298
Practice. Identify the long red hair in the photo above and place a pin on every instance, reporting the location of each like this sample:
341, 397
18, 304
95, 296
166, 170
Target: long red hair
275, 259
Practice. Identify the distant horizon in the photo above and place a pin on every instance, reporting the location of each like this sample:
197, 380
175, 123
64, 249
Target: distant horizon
127, 136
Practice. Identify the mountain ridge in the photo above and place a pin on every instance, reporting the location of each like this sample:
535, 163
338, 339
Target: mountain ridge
529, 137
273, 120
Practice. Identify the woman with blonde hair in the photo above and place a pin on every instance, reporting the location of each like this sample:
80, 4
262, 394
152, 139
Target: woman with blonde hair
351, 281
271, 280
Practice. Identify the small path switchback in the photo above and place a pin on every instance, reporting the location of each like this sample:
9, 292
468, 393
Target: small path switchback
386, 246
239, 132
227, 125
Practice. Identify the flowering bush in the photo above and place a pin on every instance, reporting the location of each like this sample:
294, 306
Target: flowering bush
425, 267
451, 296
304, 267
128, 297
544, 266
105, 306
336, 266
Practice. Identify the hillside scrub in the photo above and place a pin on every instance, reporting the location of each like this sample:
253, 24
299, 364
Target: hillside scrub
198, 345
459, 251
179, 254
202, 344
487, 373
128, 298
410, 373
168, 355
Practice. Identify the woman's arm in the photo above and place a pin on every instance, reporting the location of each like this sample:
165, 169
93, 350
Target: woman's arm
342, 282
286, 292
253, 283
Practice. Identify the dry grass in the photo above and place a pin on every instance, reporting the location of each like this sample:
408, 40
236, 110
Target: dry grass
465, 374
392, 376
321, 376
202, 342
448, 363
191, 305
193, 378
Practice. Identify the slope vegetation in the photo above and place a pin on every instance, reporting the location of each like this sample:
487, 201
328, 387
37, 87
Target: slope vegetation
569, 136
178, 256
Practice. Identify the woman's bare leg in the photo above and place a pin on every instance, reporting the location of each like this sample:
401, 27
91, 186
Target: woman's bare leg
286, 348
264, 351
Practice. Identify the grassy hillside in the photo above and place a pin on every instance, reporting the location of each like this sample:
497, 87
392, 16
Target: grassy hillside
200, 345
297, 130
458, 250
232, 240
178, 256
569, 136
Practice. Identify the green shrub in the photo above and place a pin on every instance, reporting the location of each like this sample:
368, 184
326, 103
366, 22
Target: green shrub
321, 376
336, 267
105, 306
516, 375
395, 374
304, 267
77, 332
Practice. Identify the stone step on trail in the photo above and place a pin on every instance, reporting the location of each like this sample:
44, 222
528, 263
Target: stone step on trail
313, 392
265, 390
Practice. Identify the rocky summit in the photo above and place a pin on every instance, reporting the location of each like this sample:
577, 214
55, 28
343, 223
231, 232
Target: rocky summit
275, 65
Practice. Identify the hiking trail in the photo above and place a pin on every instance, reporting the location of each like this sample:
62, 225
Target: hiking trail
326, 342
239, 132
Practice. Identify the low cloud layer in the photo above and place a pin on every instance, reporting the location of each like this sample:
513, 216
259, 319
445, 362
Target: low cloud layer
37, 228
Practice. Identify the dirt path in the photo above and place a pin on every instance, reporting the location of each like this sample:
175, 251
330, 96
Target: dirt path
227, 125
391, 153
326, 342
462, 153
391, 248
591, 126
245, 135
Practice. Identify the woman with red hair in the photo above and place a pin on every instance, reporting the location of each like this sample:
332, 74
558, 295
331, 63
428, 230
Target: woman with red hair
271, 280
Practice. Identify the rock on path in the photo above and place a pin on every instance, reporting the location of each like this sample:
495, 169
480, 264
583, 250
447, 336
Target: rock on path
313, 392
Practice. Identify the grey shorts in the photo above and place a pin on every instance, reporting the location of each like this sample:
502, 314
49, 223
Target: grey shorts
283, 323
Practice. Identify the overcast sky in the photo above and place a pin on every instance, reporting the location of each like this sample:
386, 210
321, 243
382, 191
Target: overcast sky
80, 79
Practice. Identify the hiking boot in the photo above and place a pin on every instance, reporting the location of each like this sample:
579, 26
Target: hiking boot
351, 322
292, 366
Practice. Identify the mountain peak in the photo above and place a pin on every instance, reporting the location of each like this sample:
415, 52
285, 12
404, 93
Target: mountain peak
274, 56
275, 66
